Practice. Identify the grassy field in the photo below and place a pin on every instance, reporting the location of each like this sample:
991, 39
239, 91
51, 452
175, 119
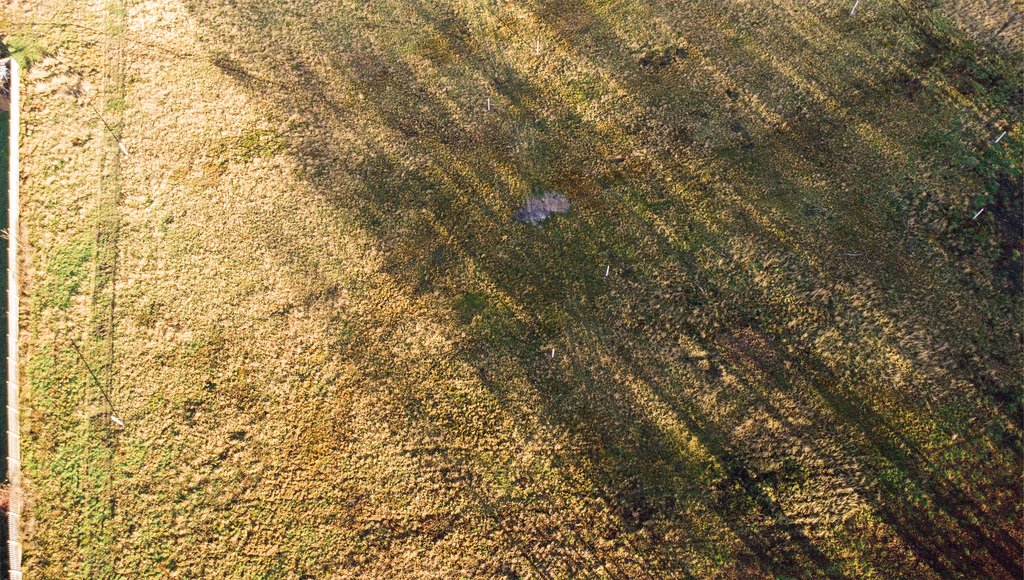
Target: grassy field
336, 354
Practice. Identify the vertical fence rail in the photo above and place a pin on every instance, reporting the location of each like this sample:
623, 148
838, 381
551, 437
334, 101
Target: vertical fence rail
13, 427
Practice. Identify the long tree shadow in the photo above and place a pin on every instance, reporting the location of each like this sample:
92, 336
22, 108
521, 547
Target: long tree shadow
439, 199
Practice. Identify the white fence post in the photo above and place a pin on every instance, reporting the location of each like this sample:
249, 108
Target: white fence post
14, 509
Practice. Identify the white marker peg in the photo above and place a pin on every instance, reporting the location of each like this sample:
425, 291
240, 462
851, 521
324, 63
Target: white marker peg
1000, 138
488, 103
536, 47
853, 11
123, 149
552, 353
607, 270
119, 422
975, 218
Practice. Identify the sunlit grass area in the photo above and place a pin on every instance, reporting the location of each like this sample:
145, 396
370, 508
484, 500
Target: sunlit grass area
777, 334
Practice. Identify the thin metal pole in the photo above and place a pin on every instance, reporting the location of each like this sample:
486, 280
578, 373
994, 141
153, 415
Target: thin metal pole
95, 379
110, 129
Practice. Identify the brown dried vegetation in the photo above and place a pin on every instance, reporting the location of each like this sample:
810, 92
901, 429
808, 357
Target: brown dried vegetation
332, 346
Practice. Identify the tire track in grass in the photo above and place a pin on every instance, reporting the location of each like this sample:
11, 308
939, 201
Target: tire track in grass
102, 322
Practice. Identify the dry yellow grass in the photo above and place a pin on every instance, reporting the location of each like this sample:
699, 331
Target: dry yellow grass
330, 344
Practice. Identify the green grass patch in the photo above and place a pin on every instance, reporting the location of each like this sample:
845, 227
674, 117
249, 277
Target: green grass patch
470, 305
26, 49
65, 273
252, 144
116, 105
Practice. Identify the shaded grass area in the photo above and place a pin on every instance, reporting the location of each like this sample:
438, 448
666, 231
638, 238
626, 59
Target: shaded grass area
804, 362
552, 275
